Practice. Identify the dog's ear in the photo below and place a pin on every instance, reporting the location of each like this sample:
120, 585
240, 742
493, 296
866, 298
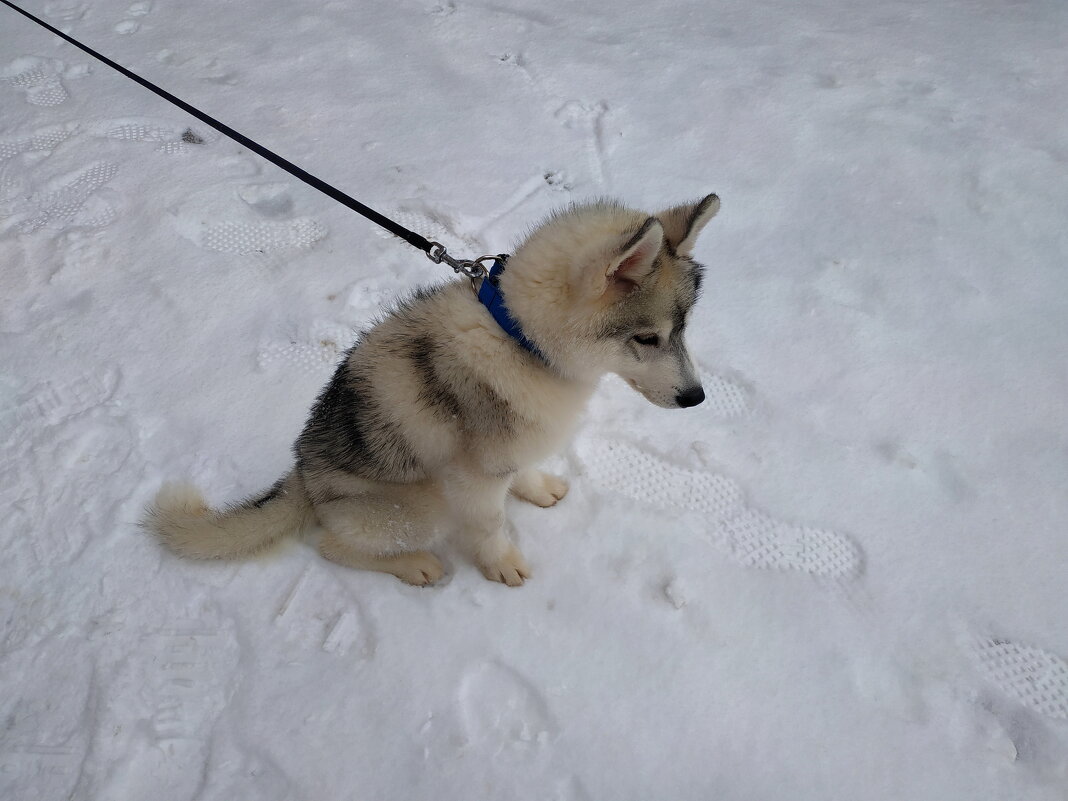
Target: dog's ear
631, 264
682, 224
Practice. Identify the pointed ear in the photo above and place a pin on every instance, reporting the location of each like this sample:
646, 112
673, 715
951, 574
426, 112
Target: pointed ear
682, 224
632, 264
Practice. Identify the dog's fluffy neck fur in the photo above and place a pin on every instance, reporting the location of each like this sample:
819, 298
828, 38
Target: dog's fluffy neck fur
546, 287
490, 296
550, 360
551, 356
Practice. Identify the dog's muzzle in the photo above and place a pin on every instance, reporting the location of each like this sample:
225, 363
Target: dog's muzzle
691, 397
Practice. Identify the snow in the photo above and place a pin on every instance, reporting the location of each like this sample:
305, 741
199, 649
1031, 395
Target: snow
842, 577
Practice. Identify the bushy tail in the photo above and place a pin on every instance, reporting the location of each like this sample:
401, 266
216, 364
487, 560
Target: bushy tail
184, 523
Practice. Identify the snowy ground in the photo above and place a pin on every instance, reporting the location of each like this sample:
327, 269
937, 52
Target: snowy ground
842, 578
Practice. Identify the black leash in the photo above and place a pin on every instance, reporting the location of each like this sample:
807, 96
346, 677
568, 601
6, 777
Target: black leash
435, 251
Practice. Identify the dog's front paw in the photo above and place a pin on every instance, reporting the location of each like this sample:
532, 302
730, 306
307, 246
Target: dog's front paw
538, 488
510, 569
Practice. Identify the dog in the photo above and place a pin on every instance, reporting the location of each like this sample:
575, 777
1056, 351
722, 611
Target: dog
444, 407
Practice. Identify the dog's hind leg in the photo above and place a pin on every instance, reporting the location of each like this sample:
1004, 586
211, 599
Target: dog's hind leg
387, 532
418, 568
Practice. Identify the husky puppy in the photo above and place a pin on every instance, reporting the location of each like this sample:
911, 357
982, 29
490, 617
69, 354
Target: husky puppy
438, 412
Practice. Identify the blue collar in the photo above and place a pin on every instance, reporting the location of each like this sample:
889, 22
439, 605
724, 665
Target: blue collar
489, 295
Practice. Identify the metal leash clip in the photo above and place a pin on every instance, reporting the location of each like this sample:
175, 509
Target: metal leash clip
472, 268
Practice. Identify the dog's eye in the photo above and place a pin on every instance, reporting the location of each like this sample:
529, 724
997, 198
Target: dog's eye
647, 339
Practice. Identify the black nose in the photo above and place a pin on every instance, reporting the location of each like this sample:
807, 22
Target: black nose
691, 397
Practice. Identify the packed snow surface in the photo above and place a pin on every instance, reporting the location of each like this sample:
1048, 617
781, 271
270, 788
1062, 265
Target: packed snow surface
842, 577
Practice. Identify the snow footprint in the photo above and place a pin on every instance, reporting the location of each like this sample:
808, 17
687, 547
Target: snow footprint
502, 737
39, 78
128, 26
724, 397
1035, 677
43, 141
75, 463
316, 614
251, 238
589, 118
165, 696
313, 350
503, 712
558, 181
52, 402
171, 137
748, 536
756, 539
65, 11
629, 471
445, 9
435, 225
528, 190
38, 145
47, 714
68, 201
263, 223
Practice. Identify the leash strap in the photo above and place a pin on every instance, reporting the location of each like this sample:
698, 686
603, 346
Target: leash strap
433, 249
489, 295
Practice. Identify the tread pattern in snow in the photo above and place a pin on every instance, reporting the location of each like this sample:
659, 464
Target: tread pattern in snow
172, 138
42, 86
749, 536
63, 205
315, 350
251, 238
723, 397
45, 140
757, 540
1034, 676
640, 475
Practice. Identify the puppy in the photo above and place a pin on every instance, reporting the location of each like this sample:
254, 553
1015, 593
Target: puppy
446, 405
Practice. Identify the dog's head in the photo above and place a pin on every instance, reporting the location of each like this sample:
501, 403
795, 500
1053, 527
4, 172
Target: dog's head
602, 288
